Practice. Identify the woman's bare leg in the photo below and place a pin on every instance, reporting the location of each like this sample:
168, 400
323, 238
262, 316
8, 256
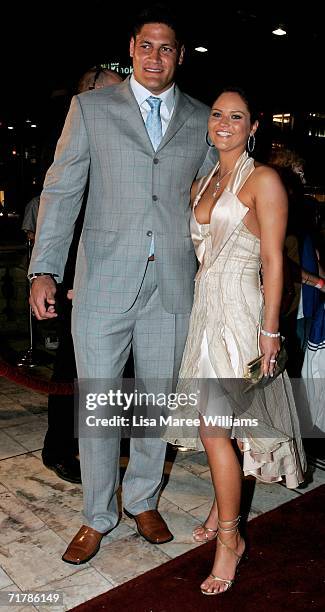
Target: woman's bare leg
226, 476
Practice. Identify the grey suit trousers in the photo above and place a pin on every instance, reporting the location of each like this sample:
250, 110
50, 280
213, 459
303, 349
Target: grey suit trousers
102, 345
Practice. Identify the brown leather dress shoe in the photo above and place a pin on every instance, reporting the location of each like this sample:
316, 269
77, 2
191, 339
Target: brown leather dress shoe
151, 526
84, 546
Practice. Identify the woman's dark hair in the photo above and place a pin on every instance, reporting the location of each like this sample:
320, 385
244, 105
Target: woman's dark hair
158, 13
251, 104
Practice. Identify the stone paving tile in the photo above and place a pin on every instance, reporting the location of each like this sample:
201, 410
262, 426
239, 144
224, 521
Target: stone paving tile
138, 557
186, 490
34, 559
13, 413
76, 589
19, 607
30, 435
16, 519
9, 447
5, 581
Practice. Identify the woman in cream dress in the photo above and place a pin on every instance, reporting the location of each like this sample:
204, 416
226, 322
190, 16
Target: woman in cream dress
238, 224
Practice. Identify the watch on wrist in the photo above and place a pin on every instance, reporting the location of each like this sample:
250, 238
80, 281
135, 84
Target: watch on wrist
32, 277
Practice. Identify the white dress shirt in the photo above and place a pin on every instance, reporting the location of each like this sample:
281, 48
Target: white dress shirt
167, 102
166, 110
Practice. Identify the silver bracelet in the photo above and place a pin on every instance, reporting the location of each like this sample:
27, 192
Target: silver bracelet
269, 334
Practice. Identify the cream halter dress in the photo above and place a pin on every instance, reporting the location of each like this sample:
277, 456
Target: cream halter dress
224, 336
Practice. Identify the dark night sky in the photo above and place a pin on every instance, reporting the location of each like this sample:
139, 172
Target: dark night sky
72, 36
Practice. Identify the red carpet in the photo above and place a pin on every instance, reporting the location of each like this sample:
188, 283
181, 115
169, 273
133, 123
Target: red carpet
284, 570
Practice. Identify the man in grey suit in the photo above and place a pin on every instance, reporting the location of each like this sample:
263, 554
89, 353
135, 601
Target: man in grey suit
142, 143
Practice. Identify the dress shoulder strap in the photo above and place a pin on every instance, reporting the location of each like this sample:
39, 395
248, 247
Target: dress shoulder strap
203, 184
200, 183
243, 169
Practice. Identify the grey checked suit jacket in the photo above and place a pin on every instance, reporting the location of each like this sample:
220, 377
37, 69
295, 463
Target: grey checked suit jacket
133, 191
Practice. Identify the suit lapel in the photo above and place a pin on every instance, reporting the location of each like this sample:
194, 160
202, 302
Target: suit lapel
131, 113
182, 110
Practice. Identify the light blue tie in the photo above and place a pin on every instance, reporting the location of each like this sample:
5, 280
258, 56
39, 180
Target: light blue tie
153, 122
154, 129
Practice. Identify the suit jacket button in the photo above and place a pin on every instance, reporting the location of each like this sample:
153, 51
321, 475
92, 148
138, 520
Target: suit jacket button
149, 233
155, 198
156, 160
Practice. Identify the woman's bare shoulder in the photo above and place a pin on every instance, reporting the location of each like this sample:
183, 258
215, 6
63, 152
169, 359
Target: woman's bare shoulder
268, 188
266, 174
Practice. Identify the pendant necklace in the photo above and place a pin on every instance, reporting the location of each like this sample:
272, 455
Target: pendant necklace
217, 185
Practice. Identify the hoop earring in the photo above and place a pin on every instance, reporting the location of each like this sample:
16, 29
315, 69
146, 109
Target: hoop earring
251, 143
207, 140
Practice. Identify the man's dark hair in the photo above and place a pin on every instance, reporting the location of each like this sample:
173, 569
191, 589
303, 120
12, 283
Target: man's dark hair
158, 13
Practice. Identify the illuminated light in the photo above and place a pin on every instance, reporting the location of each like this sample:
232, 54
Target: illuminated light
11, 127
33, 125
28, 121
282, 118
201, 49
14, 152
279, 31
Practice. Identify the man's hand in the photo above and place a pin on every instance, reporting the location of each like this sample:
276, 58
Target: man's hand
30, 236
42, 297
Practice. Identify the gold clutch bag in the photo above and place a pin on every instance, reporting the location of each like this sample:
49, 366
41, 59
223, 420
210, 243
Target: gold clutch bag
254, 370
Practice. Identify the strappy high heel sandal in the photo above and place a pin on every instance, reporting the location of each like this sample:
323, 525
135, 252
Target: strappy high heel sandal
208, 534
206, 531
233, 528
